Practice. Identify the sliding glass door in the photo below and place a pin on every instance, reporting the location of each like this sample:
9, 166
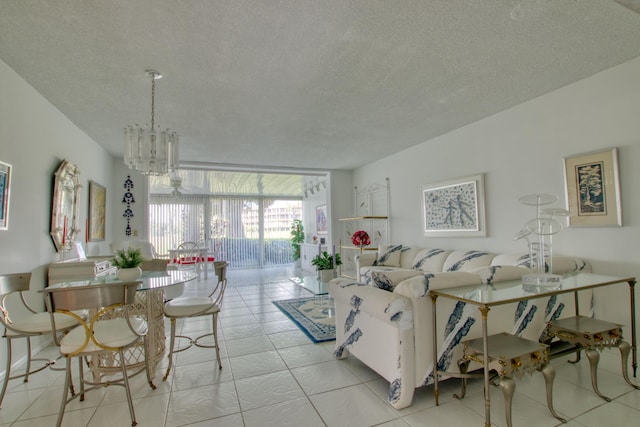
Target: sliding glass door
246, 231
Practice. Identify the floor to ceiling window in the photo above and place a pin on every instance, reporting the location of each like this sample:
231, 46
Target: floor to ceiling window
232, 216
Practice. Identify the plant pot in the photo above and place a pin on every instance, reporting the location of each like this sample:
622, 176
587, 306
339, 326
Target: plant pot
326, 275
129, 274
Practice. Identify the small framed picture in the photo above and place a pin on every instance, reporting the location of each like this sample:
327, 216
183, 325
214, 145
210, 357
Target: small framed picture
97, 209
592, 187
321, 219
5, 192
454, 207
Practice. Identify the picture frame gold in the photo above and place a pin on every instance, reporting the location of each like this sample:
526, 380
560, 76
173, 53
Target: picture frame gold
97, 209
592, 189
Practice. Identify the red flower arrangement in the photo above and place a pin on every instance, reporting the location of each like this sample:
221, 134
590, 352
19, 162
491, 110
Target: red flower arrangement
360, 238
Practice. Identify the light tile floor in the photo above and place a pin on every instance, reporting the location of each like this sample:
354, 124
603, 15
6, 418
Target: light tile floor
274, 376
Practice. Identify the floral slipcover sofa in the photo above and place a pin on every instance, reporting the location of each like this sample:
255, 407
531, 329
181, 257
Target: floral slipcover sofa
385, 319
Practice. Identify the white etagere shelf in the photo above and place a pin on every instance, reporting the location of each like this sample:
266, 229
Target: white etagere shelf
371, 207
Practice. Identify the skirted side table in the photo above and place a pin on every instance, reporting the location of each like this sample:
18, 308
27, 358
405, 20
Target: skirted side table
593, 335
510, 356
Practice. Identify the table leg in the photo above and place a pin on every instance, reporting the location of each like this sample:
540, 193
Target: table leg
594, 358
634, 344
549, 374
484, 310
624, 357
508, 387
435, 349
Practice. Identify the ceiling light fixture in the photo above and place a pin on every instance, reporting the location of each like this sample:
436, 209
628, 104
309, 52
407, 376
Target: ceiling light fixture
148, 150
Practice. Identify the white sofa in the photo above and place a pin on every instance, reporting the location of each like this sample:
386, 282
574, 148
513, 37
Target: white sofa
385, 319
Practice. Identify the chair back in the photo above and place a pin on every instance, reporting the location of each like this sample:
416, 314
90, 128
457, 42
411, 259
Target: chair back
188, 253
221, 272
105, 301
17, 282
10, 284
157, 264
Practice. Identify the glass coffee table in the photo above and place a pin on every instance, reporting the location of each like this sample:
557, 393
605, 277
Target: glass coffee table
312, 284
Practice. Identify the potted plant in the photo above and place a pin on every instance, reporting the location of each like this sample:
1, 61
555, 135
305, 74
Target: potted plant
128, 262
297, 238
325, 265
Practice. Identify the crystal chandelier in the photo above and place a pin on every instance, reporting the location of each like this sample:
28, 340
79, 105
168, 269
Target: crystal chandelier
148, 150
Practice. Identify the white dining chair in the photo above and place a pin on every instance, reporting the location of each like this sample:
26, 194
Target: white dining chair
21, 321
196, 306
111, 329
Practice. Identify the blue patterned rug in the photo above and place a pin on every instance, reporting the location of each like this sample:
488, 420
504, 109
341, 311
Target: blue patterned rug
315, 316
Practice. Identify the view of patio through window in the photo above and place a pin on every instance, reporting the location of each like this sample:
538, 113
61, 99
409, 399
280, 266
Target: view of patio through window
246, 230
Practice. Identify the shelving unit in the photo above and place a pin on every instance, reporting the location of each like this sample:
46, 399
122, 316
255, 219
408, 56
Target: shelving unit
371, 206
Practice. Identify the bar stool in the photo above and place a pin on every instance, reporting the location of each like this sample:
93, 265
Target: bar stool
32, 324
511, 356
592, 336
186, 307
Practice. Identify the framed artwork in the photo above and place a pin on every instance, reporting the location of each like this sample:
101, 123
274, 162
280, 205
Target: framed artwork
97, 207
592, 187
454, 207
321, 219
5, 191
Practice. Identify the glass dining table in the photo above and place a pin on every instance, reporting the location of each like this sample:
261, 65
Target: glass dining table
150, 298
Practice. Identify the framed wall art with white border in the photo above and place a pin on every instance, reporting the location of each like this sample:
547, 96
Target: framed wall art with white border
454, 207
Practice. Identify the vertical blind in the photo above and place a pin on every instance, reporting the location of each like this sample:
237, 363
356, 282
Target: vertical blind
246, 231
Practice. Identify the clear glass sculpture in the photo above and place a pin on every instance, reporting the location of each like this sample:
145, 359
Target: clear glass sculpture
538, 232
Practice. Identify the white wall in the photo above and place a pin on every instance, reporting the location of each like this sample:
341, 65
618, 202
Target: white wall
521, 151
34, 138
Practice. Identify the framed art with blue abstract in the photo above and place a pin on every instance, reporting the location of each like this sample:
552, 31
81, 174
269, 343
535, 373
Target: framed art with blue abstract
454, 207
5, 191
592, 186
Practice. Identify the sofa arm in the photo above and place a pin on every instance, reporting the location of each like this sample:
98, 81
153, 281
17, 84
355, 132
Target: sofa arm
383, 305
364, 259
376, 326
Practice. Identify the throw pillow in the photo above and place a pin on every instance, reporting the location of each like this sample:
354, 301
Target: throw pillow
388, 280
389, 256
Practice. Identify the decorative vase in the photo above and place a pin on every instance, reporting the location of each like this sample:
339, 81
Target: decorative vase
129, 274
326, 275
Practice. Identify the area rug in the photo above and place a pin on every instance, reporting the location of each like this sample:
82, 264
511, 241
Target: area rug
315, 316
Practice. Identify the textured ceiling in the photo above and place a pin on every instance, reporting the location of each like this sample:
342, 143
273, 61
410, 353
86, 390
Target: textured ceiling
328, 84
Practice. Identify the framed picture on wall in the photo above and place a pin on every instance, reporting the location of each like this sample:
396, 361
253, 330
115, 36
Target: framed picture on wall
454, 207
97, 207
592, 186
5, 191
321, 219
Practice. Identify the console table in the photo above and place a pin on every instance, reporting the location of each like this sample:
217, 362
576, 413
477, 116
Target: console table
487, 296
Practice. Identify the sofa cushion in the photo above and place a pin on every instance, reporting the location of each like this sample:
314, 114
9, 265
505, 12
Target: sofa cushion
388, 280
389, 256
500, 273
467, 260
430, 259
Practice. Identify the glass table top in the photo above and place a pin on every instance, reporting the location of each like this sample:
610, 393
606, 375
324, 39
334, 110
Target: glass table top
150, 279
511, 291
312, 284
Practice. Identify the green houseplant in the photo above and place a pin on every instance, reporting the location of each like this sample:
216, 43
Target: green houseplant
325, 265
324, 261
297, 238
128, 262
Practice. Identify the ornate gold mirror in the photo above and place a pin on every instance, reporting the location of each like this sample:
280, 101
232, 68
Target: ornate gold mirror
64, 211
